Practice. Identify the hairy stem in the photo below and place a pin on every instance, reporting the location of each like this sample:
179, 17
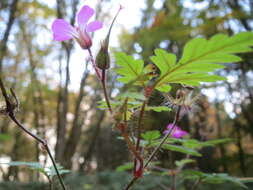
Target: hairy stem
176, 119
139, 124
94, 64
102, 79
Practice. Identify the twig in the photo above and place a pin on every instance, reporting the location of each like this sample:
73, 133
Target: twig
10, 111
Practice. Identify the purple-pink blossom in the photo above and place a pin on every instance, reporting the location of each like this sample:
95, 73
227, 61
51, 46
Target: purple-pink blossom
62, 30
176, 132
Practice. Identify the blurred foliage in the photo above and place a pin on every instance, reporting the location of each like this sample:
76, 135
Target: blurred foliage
36, 68
109, 180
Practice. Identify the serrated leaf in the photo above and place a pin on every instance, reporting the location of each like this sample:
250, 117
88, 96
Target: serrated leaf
151, 135
201, 56
163, 60
130, 69
192, 79
181, 149
218, 49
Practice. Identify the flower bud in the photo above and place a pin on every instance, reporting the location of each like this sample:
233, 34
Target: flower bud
103, 57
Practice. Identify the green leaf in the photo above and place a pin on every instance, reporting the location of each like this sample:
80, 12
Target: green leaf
212, 178
218, 49
183, 162
130, 69
163, 60
221, 178
200, 56
51, 171
151, 135
5, 137
125, 167
181, 149
158, 108
132, 95
163, 88
217, 141
193, 79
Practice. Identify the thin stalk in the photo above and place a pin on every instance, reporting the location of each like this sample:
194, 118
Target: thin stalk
107, 100
94, 64
139, 124
164, 138
131, 183
10, 109
102, 80
55, 167
176, 119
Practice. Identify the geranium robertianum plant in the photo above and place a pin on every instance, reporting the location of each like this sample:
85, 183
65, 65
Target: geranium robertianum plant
199, 59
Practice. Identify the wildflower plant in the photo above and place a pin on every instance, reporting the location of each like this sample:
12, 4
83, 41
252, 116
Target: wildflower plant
200, 58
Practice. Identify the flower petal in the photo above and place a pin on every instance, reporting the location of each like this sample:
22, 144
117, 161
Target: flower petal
62, 30
93, 26
84, 15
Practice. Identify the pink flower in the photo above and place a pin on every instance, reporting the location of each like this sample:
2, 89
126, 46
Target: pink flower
62, 30
176, 132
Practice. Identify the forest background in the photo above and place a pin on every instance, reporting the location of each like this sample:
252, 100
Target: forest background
58, 90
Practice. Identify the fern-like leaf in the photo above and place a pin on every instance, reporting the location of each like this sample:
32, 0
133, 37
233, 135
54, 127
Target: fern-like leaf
131, 70
200, 56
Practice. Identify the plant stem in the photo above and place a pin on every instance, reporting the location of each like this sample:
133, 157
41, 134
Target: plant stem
55, 167
176, 119
102, 79
94, 64
10, 110
131, 183
164, 138
139, 124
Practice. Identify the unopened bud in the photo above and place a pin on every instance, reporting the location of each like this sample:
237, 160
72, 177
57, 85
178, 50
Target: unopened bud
103, 57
